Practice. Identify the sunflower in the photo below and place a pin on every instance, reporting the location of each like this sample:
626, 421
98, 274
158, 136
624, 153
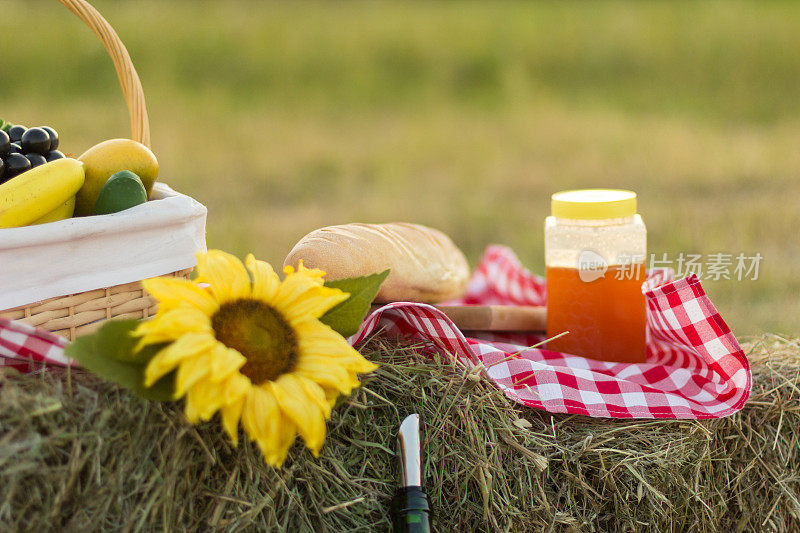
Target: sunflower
252, 349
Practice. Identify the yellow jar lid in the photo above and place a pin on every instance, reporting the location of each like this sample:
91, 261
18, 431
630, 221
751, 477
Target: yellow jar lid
593, 204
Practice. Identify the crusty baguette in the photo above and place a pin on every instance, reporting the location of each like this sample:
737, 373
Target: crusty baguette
426, 265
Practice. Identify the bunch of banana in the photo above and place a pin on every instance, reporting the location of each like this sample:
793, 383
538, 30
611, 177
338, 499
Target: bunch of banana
43, 194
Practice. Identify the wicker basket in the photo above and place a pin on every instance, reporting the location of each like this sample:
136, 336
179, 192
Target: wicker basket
77, 314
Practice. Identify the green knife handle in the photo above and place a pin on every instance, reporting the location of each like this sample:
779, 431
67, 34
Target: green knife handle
411, 511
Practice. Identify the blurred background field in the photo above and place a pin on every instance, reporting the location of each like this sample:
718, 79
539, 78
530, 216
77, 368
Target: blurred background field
284, 117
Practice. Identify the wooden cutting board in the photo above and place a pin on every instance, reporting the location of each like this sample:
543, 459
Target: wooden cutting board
496, 317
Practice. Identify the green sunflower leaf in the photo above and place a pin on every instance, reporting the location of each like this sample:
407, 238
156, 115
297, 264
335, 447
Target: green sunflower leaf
346, 317
109, 354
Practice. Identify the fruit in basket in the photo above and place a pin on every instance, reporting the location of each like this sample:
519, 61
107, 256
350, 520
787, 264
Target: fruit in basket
53, 136
35, 141
62, 212
36, 145
36, 159
122, 191
52, 155
16, 132
16, 164
107, 158
36, 193
5, 144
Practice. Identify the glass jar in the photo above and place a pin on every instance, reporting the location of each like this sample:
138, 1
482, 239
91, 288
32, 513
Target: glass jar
595, 246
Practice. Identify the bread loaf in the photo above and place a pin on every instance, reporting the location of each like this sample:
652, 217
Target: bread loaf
426, 265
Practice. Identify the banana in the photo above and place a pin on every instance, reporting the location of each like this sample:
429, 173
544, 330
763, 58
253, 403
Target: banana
36, 192
62, 212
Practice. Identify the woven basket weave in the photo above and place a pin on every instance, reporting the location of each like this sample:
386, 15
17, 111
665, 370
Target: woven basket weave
78, 314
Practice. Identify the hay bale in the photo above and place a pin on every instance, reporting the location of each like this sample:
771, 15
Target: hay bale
80, 454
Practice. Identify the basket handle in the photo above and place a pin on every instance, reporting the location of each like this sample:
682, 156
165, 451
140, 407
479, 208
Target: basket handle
128, 78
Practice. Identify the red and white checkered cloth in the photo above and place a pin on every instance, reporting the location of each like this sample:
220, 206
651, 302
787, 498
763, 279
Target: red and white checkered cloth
695, 368
26, 348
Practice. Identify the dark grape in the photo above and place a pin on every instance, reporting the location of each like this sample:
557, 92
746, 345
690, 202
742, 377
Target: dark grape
16, 132
35, 141
53, 136
2, 170
16, 164
54, 154
16, 148
36, 159
5, 144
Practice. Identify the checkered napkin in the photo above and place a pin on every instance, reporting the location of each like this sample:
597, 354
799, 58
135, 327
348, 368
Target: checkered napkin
695, 368
25, 347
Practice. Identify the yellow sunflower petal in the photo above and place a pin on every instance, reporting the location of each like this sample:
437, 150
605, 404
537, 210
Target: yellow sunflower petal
265, 281
276, 453
205, 398
267, 426
225, 274
301, 270
312, 331
296, 285
231, 414
331, 395
176, 292
321, 371
339, 353
211, 382
318, 339
287, 432
173, 324
259, 412
190, 372
363, 366
190, 410
316, 393
224, 361
165, 361
301, 404
235, 388
315, 302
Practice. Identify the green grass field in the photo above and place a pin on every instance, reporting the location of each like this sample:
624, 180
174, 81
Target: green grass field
282, 118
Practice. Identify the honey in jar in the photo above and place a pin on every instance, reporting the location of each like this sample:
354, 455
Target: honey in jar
595, 247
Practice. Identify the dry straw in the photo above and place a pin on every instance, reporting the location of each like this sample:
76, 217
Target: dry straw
79, 454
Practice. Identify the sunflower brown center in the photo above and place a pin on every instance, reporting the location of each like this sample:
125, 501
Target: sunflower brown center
260, 334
